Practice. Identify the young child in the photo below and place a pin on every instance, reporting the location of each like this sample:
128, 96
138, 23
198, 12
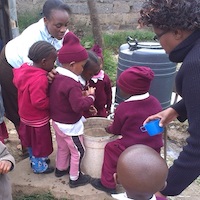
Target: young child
33, 101
142, 172
103, 91
7, 163
3, 130
134, 85
91, 68
66, 108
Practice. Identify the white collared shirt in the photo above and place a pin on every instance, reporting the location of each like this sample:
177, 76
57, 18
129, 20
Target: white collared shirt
82, 80
16, 50
99, 76
68, 73
78, 127
137, 97
123, 196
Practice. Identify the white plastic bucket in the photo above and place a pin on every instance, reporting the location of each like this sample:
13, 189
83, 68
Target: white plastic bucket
95, 139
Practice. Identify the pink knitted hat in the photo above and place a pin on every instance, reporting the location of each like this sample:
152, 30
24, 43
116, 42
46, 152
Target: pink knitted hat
71, 50
135, 80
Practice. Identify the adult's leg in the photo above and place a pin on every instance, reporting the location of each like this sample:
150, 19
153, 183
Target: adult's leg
184, 170
9, 91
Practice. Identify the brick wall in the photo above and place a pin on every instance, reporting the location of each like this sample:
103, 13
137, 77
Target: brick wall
113, 14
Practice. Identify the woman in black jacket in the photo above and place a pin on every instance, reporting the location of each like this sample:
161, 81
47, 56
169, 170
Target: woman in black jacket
176, 24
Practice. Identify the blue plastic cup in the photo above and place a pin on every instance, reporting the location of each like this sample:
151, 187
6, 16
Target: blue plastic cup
152, 127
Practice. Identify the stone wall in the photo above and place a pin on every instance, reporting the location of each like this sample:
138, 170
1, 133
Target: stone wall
113, 14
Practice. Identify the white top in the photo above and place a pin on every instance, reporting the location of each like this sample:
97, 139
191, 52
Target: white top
70, 129
137, 97
123, 196
16, 50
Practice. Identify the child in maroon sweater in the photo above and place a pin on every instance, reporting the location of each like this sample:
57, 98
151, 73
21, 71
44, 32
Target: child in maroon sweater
102, 83
134, 84
91, 68
67, 105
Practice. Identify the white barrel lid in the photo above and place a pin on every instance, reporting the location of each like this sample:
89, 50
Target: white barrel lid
149, 45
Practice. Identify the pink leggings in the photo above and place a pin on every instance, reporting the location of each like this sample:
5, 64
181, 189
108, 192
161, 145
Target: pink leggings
70, 151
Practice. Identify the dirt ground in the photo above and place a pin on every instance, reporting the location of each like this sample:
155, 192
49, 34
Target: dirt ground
176, 135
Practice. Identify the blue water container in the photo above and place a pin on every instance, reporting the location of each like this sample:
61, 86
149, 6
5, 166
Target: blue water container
152, 55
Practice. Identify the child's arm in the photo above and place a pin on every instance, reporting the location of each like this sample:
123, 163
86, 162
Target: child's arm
80, 103
7, 161
118, 122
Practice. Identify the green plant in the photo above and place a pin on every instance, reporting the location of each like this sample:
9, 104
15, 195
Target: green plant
25, 19
45, 196
112, 42
110, 64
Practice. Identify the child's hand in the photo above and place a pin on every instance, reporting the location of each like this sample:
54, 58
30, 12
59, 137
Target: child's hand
108, 112
90, 91
93, 110
84, 93
51, 75
5, 166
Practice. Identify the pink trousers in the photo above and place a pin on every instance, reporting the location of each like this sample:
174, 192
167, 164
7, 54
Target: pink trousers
70, 151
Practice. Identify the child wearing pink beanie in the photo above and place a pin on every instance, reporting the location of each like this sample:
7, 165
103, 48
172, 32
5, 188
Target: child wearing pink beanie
67, 105
134, 84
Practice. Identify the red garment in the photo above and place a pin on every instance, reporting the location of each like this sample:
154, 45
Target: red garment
39, 138
129, 117
33, 102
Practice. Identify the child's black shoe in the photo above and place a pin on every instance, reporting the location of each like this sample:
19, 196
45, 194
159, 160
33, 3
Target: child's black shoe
96, 183
82, 180
60, 173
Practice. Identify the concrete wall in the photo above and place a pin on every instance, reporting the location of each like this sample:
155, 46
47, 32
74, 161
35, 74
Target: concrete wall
113, 14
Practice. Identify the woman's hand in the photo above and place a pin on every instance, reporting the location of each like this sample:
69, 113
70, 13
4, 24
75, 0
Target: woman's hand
51, 75
165, 116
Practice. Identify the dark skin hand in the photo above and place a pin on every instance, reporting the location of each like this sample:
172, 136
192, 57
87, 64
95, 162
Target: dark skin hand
51, 75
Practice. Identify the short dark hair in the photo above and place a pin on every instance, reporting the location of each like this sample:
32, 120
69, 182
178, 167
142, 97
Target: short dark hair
171, 14
40, 50
50, 5
92, 59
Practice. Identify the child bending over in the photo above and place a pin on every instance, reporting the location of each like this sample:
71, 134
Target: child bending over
67, 105
91, 68
102, 83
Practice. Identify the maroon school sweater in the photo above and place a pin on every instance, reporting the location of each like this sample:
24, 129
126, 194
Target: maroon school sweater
66, 100
129, 117
103, 95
